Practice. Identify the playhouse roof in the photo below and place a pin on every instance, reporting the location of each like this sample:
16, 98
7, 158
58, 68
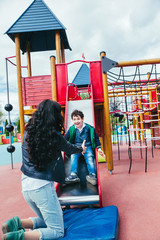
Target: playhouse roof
37, 25
82, 77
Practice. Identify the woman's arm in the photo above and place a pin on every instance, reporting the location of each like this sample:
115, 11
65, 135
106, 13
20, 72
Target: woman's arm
70, 148
67, 136
98, 144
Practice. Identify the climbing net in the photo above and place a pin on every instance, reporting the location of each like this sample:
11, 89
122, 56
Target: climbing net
134, 91
122, 82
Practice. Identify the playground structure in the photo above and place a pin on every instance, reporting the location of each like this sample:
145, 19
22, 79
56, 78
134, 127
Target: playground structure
37, 88
139, 92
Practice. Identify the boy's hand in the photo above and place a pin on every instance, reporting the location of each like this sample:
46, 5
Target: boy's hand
101, 153
83, 146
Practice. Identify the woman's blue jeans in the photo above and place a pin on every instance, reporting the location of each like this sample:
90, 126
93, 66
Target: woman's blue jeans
45, 204
89, 158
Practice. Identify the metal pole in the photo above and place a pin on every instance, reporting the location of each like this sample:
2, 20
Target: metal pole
9, 119
53, 78
107, 125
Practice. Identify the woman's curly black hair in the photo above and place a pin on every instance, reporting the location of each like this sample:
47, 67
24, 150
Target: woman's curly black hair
42, 138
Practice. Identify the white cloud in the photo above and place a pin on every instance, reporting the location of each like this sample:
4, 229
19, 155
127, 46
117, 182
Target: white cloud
125, 29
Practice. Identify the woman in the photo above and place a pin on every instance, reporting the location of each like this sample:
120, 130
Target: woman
42, 146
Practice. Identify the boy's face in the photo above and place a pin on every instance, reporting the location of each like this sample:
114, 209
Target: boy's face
77, 121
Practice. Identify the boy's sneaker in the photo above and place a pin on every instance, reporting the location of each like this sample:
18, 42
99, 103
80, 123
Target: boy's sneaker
73, 178
91, 178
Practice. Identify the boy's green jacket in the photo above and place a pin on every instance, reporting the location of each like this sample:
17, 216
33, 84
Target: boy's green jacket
93, 136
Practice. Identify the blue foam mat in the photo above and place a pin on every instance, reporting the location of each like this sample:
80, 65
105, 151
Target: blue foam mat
91, 223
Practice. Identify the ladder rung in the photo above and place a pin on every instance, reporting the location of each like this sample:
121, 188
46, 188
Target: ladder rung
137, 140
156, 115
138, 147
150, 103
148, 121
130, 113
153, 138
150, 109
136, 129
134, 96
134, 141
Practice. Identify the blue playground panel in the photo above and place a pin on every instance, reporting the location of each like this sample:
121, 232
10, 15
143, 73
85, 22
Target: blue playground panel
5, 158
1, 130
91, 223
12, 141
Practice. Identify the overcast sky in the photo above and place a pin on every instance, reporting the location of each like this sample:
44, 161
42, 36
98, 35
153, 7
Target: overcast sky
125, 29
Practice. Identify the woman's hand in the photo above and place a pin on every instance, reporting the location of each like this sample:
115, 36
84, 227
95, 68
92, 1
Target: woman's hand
83, 146
101, 152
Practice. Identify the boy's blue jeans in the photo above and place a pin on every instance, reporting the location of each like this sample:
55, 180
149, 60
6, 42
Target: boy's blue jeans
45, 204
89, 158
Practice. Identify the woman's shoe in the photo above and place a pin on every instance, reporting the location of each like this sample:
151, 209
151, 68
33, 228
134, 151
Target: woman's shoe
13, 224
17, 235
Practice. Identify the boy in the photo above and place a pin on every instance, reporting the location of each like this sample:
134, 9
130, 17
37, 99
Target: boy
76, 134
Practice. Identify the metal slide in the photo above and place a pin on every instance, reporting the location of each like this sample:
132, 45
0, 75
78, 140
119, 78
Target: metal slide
82, 193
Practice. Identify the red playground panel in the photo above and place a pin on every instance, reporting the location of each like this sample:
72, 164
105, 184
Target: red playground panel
36, 89
73, 93
96, 80
62, 81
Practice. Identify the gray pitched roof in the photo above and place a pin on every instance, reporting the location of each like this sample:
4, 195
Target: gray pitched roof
37, 25
82, 77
